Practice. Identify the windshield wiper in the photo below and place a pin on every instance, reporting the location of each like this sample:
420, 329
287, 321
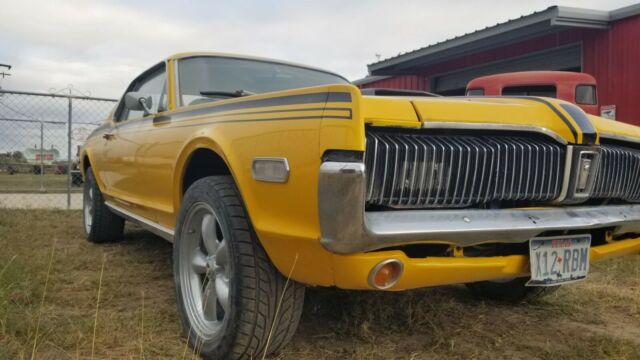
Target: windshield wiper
237, 93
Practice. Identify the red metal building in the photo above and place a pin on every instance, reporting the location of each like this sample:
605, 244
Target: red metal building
604, 44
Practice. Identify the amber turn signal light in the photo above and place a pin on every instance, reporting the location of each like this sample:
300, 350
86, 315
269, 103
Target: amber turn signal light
385, 274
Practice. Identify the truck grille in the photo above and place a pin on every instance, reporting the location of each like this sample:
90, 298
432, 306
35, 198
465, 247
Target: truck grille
425, 171
619, 174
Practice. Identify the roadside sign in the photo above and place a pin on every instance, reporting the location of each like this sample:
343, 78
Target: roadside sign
608, 112
80, 134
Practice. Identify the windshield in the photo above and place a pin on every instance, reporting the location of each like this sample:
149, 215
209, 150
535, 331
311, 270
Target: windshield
203, 79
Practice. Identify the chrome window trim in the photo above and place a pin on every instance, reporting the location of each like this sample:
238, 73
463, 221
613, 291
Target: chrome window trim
176, 85
489, 126
117, 113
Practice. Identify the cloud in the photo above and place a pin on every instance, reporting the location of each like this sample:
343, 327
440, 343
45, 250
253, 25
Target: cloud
100, 46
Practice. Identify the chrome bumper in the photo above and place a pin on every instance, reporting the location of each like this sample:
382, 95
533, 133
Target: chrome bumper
346, 227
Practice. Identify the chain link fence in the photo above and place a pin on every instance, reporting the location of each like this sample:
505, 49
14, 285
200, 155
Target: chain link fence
40, 135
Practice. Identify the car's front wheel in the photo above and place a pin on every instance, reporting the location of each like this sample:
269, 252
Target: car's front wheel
232, 301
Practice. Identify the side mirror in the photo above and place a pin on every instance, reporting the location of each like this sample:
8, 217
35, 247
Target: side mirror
137, 101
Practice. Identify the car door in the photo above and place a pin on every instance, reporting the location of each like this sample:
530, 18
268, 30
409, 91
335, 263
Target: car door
126, 174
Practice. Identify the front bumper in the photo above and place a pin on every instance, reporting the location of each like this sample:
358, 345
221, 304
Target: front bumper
352, 271
347, 228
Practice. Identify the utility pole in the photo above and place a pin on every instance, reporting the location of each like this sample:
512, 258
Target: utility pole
4, 74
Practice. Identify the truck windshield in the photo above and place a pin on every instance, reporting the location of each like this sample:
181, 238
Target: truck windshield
531, 90
207, 78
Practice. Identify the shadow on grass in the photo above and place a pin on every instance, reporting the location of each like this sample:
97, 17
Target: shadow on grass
136, 236
351, 313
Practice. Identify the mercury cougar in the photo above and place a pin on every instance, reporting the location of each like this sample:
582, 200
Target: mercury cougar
269, 176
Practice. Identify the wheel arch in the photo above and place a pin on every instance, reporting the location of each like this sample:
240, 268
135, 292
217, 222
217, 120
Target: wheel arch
86, 161
200, 158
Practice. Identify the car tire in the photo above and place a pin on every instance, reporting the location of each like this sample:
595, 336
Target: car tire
513, 290
217, 256
100, 224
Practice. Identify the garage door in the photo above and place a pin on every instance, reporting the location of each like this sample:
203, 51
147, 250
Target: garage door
565, 58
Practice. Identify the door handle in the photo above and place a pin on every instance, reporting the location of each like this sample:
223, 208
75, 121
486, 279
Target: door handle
108, 136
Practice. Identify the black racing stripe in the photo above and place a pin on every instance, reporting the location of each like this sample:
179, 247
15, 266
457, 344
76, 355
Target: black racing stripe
339, 97
540, 100
241, 121
291, 110
321, 97
588, 131
214, 110
557, 112
135, 123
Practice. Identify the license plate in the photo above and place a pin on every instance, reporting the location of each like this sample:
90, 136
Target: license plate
559, 260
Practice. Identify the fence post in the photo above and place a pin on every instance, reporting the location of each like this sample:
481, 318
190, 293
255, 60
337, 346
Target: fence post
69, 162
41, 156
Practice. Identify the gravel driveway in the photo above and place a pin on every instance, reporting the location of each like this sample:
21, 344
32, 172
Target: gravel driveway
40, 201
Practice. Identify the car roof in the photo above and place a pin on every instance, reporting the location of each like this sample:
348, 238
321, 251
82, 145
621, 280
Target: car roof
184, 55
533, 77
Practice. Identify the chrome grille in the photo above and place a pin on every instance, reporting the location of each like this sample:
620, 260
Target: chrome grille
619, 174
409, 170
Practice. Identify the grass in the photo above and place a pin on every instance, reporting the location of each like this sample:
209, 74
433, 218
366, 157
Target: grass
136, 315
68, 315
32, 182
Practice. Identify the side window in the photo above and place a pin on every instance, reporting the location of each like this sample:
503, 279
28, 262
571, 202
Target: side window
475, 92
155, 85
586, 95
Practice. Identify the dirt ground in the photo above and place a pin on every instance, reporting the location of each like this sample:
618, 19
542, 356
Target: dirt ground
39, 201
50, 279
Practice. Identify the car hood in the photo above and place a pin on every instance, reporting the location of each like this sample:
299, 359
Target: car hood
557, 118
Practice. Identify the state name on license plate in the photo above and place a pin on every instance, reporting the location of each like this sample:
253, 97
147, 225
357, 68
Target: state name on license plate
559, 259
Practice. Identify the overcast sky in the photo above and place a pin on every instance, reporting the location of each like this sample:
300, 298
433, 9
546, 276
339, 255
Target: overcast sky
99, 46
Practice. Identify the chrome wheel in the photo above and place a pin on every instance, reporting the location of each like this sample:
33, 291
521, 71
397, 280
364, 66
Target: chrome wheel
87, 205
227, 289
204, 271
100, 224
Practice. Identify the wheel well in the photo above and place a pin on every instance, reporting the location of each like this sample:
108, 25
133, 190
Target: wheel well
85, 164
203, 163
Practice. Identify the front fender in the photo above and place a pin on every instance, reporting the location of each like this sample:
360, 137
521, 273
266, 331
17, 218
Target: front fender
284, 215
203, 139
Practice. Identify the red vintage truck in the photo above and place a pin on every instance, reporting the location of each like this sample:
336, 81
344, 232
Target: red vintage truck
578, 88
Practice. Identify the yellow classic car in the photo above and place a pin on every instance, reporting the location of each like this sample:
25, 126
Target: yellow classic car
268, 176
